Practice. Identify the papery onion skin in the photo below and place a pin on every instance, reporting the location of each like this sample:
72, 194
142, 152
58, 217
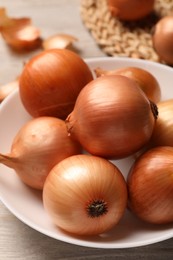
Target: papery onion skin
39, 145
51, 82
59, 41
76, 185
163, 39
8, 88
150, 186
20, 34
112, 117
146, 81
130, 10
163, 131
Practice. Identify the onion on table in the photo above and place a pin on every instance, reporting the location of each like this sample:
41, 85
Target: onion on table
163, 39
130, 10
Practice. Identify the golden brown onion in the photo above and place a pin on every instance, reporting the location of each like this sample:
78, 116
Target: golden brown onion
51, 82
150, 186
146, 81
163, 130
39, 145
163, 39
85, 195
112, 117
130, 9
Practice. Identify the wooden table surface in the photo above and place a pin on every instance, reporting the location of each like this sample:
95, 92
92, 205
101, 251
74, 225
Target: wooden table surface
17, 240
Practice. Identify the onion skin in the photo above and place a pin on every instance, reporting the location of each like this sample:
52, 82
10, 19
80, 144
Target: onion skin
163, 130
8, 88
19, 33
51, 82
112, 117
59, 41
72, 188
130, 10
39, 145
150, 186
163, 39
146, 81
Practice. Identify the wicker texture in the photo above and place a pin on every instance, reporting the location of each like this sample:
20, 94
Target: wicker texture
117, 38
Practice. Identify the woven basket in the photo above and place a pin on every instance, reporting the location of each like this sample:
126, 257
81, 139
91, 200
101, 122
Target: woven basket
117, 38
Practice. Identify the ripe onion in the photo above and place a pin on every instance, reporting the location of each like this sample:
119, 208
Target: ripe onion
51, 82
163, 39
163, 130
130, 9
146, 81
150, 186
112, 117
39, 145
85, 195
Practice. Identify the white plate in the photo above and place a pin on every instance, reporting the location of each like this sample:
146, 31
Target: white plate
26, 204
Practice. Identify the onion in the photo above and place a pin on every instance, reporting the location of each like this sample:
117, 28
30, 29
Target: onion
163, 130
85, 195
163, 39
39, 145
146, 81
51, 82
19, 33
130, 9
150, 186
112, 117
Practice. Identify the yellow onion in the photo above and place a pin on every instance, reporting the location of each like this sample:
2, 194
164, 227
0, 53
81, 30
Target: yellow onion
163, 39
85, 195
51, 82
163, 130
130, 10
146, 81
112, 117
39, 145
150, 186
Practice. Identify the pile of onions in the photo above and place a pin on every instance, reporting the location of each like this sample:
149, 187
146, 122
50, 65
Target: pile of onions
51, 82
85, 195
130, 10
146, 81
39, 145
112, 117
163, 130
150, 186
163, 39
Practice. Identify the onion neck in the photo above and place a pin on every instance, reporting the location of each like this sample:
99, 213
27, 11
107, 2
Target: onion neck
8, 160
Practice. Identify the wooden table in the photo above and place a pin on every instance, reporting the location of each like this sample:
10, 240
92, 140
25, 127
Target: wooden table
18, 241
